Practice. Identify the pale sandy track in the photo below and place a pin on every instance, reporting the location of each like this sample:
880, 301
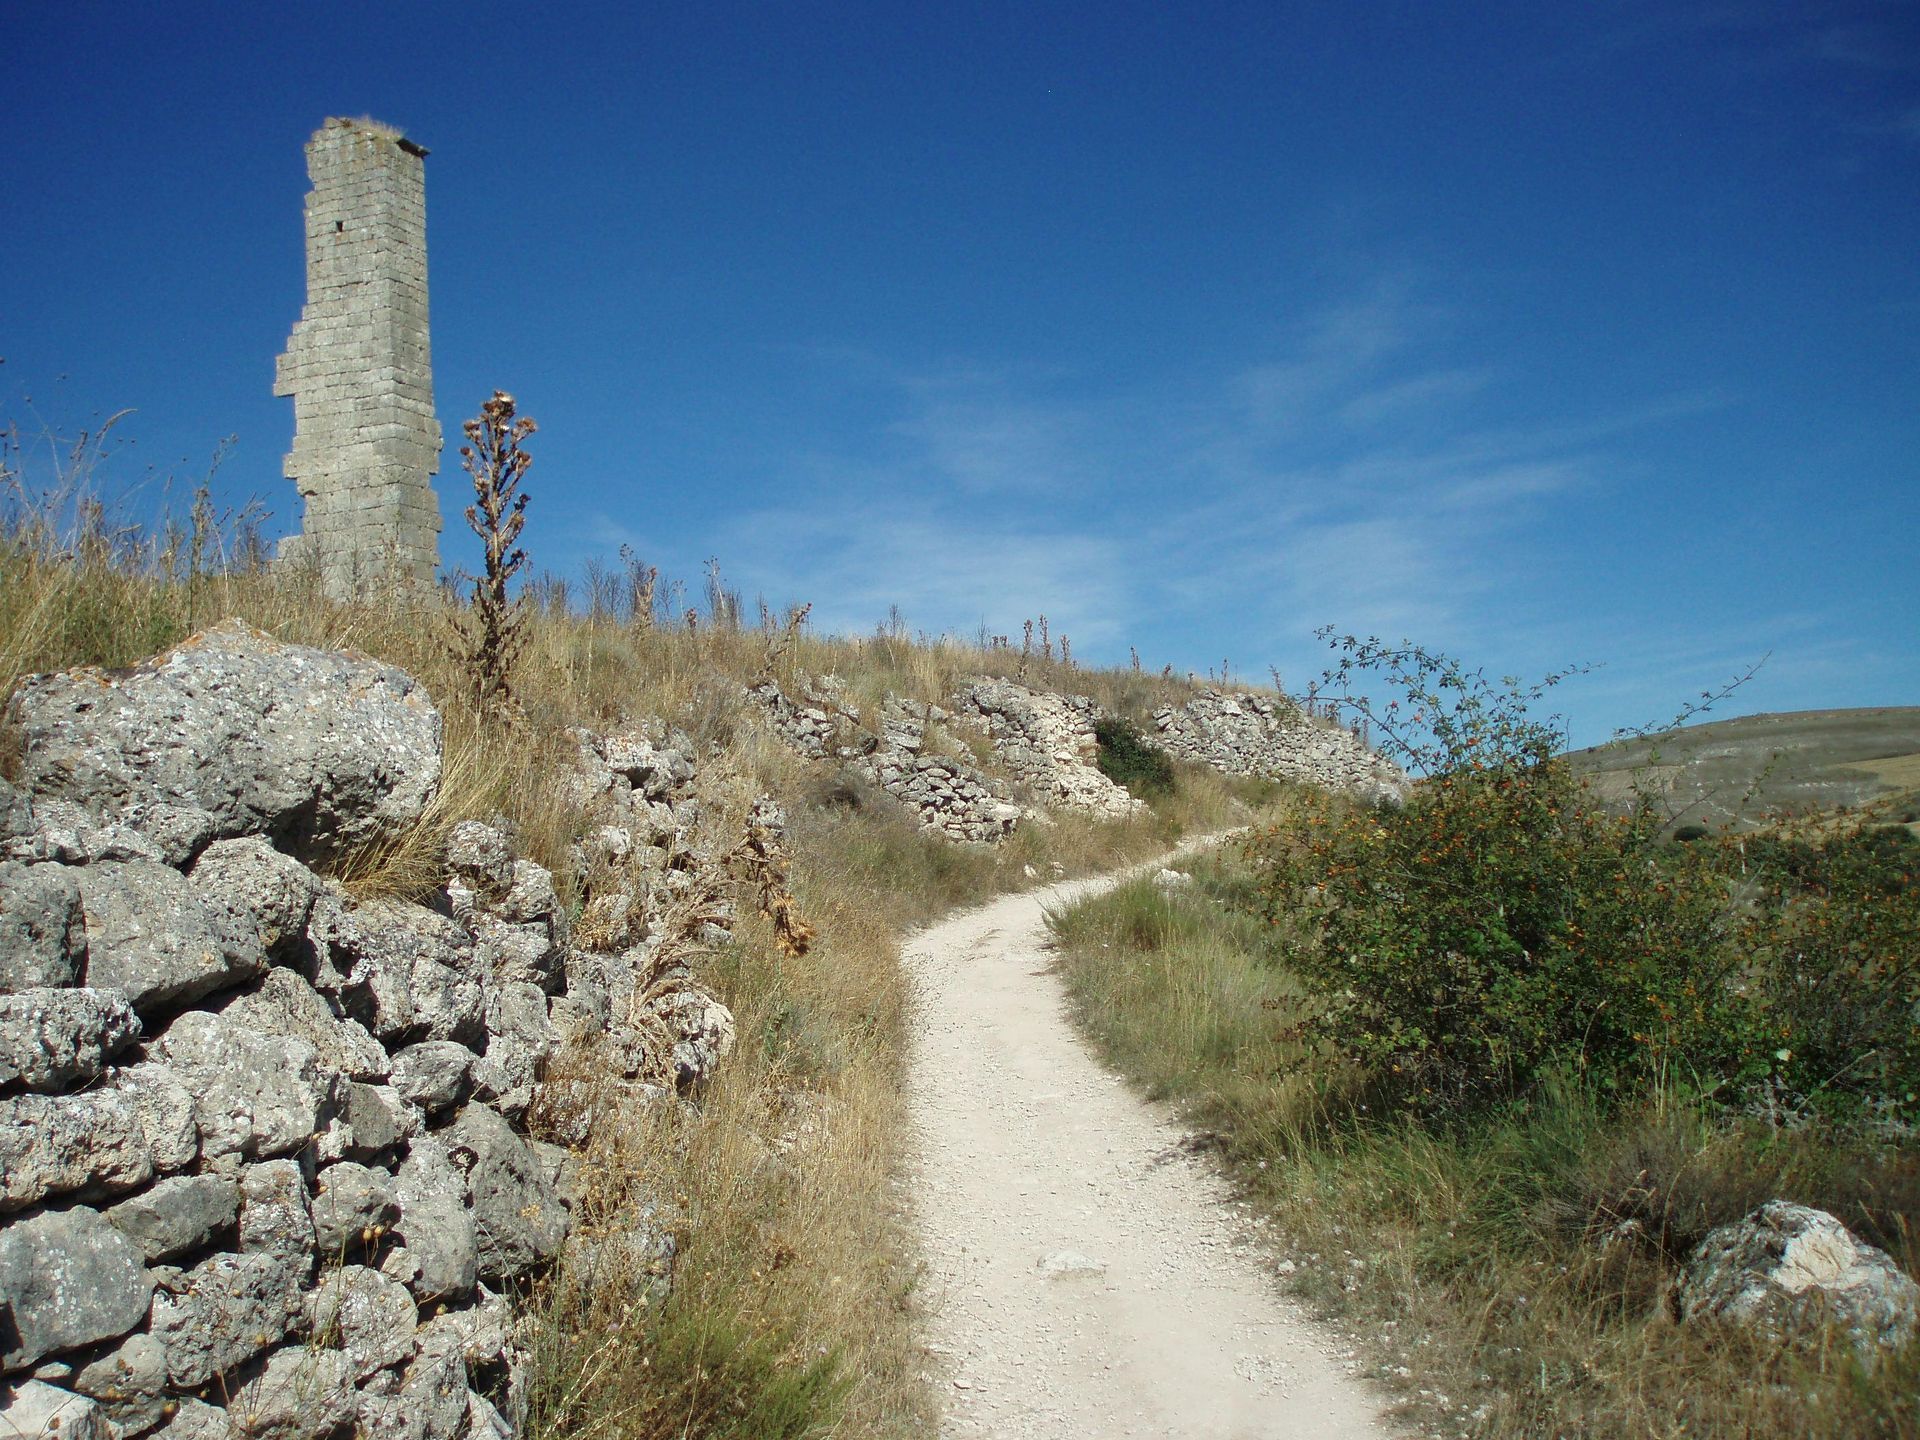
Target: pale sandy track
1028, 1147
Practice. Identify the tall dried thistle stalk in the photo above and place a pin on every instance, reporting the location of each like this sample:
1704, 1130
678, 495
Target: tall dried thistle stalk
489, 641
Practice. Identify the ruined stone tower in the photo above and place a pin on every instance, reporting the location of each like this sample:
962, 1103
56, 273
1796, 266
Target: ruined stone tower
359, 366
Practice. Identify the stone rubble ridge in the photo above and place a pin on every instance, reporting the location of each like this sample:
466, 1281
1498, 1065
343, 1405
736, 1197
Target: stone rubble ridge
273, 1159
1045, 741
944, 794
1241, 733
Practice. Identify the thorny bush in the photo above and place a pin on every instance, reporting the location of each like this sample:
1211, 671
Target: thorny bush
1501, 925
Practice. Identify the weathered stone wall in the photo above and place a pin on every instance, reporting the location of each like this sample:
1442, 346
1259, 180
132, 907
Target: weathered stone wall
1047, 743
359, 365
1240, 733
944, 794
271, 1158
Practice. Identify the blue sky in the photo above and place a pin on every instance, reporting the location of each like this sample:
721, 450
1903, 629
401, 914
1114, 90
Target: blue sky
1537, 333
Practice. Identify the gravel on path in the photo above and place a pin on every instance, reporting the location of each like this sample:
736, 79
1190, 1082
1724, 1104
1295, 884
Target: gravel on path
1087, 1275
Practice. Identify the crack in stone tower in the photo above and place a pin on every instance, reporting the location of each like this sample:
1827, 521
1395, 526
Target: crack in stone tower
359, 366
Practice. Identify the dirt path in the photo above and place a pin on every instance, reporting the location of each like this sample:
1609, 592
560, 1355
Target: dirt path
1036, 1165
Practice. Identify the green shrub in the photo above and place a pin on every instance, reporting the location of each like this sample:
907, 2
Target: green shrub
1127, 759
1833, 942
1500, 924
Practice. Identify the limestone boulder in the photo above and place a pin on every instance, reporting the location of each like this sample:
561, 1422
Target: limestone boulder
520, 1036
351, 1203
254, 1095
52, 1039
378, 1120
518, 1221
428, 1401
178, 1215
73, 835
129, 1384
369, 1318
284, 1004
67, 1279
435, 1227
404, 971
302, 1393
233, 733
43, 932
436, 1075
91, 1144
262, 892
151, 935
223, 1312
34, 1410
275, 1218
1789, 1270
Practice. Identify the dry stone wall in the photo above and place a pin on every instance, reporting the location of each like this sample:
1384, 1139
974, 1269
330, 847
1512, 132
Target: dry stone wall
1239, 733
272, 1160
359, 366
944, 794
1047, 743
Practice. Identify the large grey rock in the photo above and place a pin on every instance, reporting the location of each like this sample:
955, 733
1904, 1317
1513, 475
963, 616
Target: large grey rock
233, 733
150, 934
223, 1312
518, 951
518, 1220
43, 933
67, 1279
254, 1095
196, 1420
378, 1119
481, 856
433, 1074
405, 972
73, 835
177, 1215
282, 1003
367, 1317
352, 1205
520, 1037
33, 1410
51, 1039
262, 892
1789, 1269
165, 1111
92, 1144
274, 1215
129, 1381
435, 1225
302, 1393
427, 1402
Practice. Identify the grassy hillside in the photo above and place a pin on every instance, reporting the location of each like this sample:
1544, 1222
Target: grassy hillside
1749, 771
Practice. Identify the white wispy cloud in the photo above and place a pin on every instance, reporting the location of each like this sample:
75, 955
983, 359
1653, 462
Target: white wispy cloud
1361, 472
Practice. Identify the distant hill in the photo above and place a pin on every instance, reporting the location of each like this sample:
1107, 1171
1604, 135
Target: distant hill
1737, 774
